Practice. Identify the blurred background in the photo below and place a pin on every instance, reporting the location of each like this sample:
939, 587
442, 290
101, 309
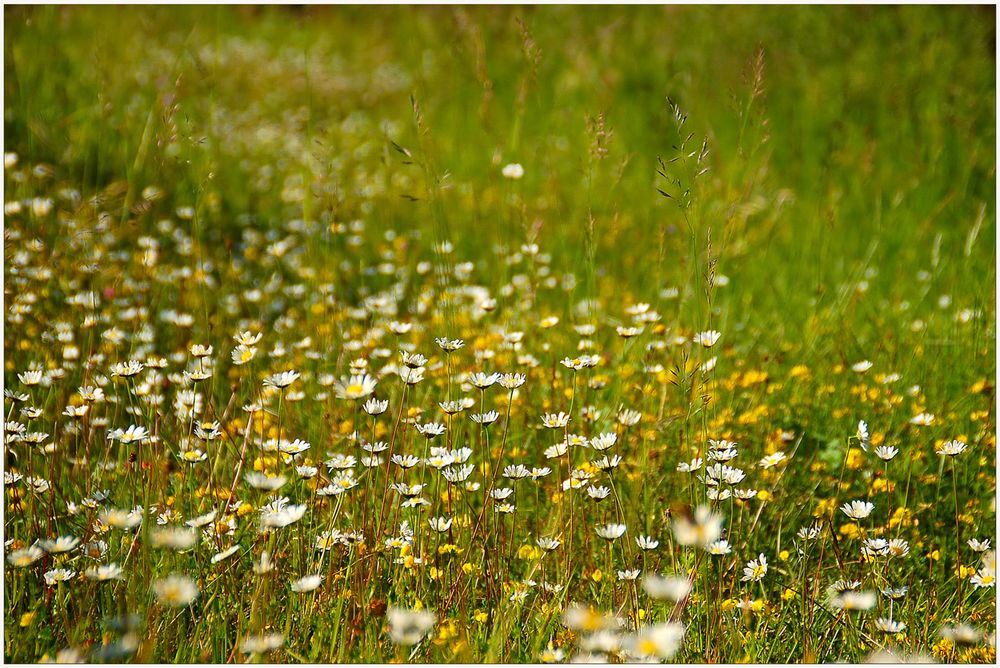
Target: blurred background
821, 145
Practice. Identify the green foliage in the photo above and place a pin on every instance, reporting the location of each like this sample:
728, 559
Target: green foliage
816, 183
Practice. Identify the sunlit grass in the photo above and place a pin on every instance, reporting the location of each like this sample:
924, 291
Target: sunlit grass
505, 335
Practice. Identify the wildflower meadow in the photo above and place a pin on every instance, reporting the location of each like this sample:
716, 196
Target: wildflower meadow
499, 334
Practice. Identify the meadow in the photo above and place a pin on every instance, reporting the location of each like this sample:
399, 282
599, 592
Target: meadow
499, 334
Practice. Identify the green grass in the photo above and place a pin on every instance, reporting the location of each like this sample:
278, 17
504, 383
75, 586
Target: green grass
836, 165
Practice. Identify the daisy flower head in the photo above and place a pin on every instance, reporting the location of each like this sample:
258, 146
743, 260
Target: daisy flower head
225, 554
259, 480
611, 531
440, 524
486, 418
855, 600
199, 350
408, 627
247, 338
690, 467
430, 429
282, 379
355, 387
60, 544
127, 369
202, 520
513, 171
262, 644
25, 556
121, 519
862, 366
411, 376
718, 494
91, 394
174, 538
552, 655
886, 452
440, 458
598, 493
704, 528
858, 510
976, 544
630, 575
864, 438
657, 641
452, 407
413, 360
646, 543
840, 586
672, 587
629, 418
375, 406
276, 518
755, 570
76, 411
586, 619
307, 583
886, 625
511, 381
548, 544
18, 397
719, 548
772, 460
810, 532
483, 380
707, 338
264, 565
603, 441
723, 455
133, 434
328, 540
720, 473
963, 634
175, 591
952, 448
104, 572
575, 364
516, 471
198, 375
897, 547
400, 327
449, 345
57, 575
875, 547
895, 593
555, 420
983, 579
628, 332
